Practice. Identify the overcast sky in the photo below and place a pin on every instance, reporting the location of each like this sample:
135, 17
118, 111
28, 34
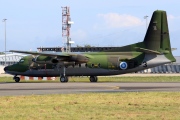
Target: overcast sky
35, 23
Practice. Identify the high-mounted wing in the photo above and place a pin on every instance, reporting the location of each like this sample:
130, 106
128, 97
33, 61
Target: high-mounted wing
58, 57
41, 53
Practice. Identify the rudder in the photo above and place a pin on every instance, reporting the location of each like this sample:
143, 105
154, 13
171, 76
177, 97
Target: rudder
157, 36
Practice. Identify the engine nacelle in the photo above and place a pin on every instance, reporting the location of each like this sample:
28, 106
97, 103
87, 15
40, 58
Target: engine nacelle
41, 60
61, 63
79, 59
123, 65
55, 61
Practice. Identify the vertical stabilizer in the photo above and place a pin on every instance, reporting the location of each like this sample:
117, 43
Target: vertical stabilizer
157, 36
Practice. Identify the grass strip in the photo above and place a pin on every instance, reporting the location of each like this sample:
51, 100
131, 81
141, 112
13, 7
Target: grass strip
92, 106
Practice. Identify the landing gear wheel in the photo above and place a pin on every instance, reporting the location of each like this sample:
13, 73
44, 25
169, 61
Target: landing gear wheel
17, 79
93, 79
63, 79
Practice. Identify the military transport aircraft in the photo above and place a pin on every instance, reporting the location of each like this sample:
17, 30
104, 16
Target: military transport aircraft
155, 50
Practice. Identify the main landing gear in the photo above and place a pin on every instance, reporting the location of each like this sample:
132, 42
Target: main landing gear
63, 77
17, 79
93, 79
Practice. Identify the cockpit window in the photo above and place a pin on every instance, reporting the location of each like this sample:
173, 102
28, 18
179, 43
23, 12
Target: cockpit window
21, 61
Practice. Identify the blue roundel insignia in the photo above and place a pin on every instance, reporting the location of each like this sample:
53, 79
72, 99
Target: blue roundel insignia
123, 65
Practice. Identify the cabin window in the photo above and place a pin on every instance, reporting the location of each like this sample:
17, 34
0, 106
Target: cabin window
21, 61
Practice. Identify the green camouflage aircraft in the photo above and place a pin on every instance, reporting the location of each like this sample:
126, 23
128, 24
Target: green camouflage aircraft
155, 50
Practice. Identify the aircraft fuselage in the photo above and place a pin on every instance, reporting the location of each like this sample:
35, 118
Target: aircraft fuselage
109, 66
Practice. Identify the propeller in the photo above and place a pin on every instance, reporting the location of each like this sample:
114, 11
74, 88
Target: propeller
32, 62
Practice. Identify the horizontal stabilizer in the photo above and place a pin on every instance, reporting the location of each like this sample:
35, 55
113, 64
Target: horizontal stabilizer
147, 51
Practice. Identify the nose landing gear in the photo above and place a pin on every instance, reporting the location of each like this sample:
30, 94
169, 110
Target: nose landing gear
17, 79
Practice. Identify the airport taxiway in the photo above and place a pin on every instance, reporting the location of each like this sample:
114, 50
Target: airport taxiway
13, 89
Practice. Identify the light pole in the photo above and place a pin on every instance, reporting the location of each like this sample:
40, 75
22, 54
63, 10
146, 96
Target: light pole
146, 17
4, 20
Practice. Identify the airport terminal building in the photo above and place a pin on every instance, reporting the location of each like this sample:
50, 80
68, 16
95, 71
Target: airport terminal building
11, 58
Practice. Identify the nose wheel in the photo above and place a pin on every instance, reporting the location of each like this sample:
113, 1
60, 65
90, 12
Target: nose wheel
93, 79
17, 79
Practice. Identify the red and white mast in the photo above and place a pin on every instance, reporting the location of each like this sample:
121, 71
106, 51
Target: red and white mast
66, 25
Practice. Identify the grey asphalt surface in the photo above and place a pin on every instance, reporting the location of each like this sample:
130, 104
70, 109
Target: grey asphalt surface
14, 89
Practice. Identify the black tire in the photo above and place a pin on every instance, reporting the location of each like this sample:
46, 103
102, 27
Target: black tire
96, 78
66, 79
93, 79
63, 79
17, 79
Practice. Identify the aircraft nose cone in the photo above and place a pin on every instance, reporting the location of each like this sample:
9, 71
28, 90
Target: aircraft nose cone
6, 68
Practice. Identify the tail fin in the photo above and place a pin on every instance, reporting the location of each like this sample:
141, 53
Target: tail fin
157, 36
